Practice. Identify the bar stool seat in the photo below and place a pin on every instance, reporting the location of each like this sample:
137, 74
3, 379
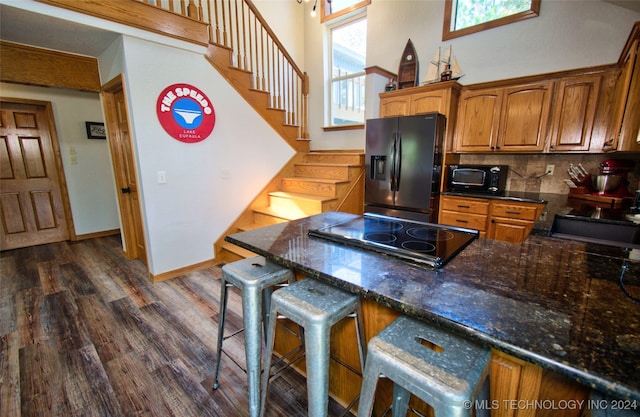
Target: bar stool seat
444, 376
255, 278
315, 307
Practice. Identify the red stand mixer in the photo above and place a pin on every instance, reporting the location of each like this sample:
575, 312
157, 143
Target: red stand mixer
612, 179
607, 188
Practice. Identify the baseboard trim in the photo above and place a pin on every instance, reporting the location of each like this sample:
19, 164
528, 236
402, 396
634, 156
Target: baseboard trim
181, 271
96, 234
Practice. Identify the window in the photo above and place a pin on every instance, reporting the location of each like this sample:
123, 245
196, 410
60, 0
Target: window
348, 43
331, 9
462, 17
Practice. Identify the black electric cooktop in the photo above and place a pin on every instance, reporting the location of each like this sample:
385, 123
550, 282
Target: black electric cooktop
427, 244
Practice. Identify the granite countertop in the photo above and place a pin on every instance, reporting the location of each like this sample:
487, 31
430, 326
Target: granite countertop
556, 303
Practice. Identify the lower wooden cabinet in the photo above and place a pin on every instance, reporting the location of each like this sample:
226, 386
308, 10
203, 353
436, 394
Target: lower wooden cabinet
470, 213
505, 220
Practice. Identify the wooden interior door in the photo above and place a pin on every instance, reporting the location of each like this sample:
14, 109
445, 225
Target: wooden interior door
117, 119
32, 209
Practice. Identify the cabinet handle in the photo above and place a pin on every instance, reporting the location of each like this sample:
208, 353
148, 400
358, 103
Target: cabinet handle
461, 221
497, 147
460, 206
513, 212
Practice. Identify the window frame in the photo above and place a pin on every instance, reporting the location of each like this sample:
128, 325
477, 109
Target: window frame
448, 34
328, 94
324, 7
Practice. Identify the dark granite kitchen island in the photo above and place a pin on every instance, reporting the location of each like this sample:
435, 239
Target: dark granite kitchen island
551, 302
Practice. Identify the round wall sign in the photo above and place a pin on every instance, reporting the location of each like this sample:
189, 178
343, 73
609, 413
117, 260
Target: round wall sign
185, 113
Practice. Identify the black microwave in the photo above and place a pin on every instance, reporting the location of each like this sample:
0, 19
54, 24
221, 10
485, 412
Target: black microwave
489, 179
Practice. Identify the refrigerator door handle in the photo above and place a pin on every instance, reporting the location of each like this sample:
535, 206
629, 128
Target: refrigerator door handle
398, 162
393, 162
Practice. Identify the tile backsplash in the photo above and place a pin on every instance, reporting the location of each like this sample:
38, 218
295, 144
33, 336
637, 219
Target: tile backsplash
526, 172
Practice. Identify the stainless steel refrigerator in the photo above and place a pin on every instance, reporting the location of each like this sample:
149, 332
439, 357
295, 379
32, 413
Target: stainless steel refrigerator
404, 166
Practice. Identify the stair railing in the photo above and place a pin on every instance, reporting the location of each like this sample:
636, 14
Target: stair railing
239, 26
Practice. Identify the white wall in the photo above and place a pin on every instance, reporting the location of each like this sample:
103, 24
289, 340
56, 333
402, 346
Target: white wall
568, 34
89, 182
187, 214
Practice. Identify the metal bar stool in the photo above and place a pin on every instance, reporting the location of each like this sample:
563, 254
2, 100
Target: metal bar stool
255, 277
441, 369
315, 307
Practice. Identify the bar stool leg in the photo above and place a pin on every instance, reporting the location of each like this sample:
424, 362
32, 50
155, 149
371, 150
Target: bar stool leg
252, 300
271, 331
221, 320
369, 383
317, 345
400, 401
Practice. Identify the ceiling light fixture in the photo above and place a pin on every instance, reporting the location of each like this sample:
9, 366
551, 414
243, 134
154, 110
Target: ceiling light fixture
315, 6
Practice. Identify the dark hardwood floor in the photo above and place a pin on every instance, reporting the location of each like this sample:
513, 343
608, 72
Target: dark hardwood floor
84, 333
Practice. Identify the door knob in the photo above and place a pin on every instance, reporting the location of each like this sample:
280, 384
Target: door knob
126, 190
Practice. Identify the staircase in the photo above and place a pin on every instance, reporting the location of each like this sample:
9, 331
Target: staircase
311, 183
246, 52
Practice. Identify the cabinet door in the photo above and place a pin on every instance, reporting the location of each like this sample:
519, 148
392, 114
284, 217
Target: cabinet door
478, 120
509, 230
629, 138
395, 106
512, 379
429, 102
574, 113
524, 117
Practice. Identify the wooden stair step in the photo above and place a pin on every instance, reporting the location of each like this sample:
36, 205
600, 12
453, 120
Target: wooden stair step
297, 203
325, 170
352, 158
235, 249
278, 217
322, 187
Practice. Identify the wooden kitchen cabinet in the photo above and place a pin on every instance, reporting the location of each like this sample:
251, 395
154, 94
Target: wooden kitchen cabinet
512, 221
511, 378
395, 106
478, 120
524, 118
470, 213
574, 113
505, 220
623, 133
431, 98
507, 119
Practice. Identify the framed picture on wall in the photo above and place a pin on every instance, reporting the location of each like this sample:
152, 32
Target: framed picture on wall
95, 130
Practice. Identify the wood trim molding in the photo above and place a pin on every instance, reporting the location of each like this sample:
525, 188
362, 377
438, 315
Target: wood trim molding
140, 15
379, 71
155, 278
24, 64
103, 233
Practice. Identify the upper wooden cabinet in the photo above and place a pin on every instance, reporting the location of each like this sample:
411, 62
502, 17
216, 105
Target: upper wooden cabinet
478, 120
623, 132
431, 98
574, 113
509, 119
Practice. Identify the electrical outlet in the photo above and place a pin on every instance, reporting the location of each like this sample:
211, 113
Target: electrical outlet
550, 169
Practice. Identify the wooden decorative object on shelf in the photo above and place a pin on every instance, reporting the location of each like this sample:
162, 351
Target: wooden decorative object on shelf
408, 69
